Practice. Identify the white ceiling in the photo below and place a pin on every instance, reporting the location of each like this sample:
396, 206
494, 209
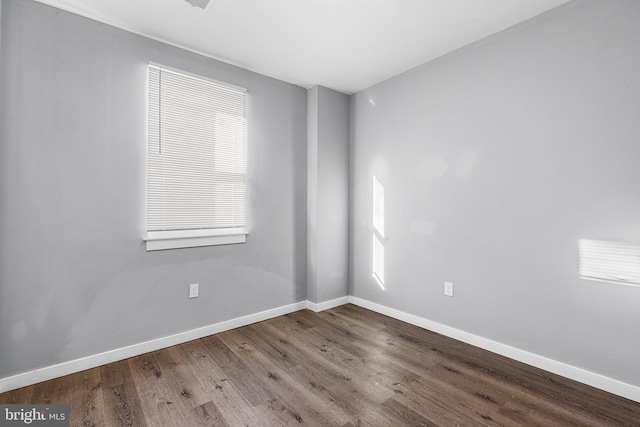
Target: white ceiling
346, 45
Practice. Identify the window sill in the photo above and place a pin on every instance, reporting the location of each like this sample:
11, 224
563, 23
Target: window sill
161, 240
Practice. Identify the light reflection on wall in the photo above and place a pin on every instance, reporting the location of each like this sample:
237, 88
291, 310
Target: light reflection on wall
615, 262
378, 232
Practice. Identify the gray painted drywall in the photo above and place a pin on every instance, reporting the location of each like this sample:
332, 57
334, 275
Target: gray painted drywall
495, 160
327, 194
75, 279
312, 194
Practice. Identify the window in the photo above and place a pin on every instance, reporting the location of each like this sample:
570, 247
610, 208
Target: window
196, 161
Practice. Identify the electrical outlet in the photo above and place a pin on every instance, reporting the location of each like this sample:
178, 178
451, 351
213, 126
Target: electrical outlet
448, 289
193, 290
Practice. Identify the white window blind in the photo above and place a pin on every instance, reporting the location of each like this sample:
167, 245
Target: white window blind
196, 160
617, 262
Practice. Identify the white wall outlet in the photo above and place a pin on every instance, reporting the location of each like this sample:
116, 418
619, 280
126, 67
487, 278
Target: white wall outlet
193, 290
448, 289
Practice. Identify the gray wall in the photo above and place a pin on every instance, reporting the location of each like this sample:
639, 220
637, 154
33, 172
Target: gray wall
327, 194
75, 279
495, 160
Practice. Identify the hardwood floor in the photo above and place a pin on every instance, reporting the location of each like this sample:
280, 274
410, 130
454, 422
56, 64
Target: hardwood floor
342, 367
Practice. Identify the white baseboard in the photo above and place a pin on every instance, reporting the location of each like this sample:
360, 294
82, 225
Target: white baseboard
328, 304
595, 380
73, 366
586, 377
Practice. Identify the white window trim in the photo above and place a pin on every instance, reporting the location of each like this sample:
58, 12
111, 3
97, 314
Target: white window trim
197, 76
175, 239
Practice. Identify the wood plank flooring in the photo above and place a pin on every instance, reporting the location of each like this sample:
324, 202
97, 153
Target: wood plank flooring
342, 367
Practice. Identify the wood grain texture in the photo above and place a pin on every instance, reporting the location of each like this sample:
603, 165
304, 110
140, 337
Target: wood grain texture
346, 366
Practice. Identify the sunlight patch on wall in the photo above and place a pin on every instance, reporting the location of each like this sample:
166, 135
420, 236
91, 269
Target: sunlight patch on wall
378, 232
616, 262
378, 207
466, 163
432, 168
378, 261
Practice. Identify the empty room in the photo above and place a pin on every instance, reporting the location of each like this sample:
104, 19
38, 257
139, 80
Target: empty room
320, 212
